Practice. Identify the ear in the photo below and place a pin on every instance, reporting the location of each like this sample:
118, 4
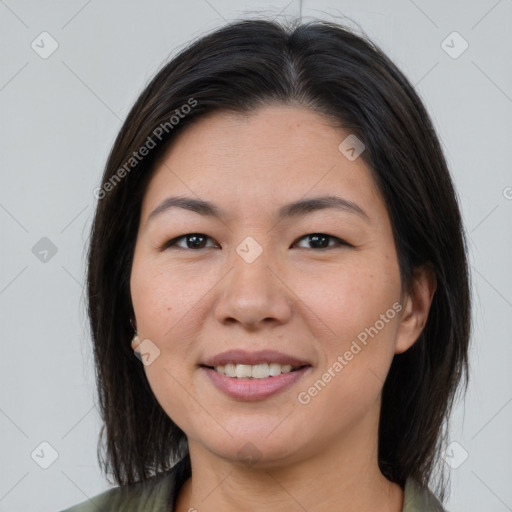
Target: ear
416, 306
135, 343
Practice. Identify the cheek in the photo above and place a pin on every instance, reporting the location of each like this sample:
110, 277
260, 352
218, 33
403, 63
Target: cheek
350, 378
350, 297
163, 303
359, 305
163, 296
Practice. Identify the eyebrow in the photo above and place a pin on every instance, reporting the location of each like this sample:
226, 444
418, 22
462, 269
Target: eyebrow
295, 209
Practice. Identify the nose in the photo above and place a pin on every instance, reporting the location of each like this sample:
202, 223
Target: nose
253, 294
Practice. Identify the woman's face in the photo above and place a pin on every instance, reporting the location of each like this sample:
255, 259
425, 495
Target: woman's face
255, 286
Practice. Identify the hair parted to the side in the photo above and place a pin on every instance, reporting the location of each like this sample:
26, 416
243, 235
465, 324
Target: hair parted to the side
345, 77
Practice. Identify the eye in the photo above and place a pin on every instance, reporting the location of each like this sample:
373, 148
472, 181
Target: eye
199, 241
192, 241
321, 241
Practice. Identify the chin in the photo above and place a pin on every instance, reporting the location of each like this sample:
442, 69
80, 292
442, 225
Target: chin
254, 449
254, 455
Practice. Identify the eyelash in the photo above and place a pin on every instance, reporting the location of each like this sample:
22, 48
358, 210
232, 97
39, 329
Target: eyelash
173, 243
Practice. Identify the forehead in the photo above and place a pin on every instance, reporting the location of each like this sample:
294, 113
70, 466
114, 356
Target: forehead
267, 131
272, 155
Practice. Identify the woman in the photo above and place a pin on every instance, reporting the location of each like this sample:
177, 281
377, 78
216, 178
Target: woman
278, 241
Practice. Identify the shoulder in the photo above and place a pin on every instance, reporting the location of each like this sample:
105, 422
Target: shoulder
151, 494
419, 499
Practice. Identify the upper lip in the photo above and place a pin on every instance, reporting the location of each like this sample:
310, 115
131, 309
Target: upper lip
252, 358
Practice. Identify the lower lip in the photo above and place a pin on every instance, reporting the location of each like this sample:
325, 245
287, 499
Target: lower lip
253, 389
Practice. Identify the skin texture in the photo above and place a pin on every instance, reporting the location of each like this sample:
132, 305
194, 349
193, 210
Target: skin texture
295, 297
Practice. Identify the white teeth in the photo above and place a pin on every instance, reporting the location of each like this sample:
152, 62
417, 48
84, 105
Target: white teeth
260, 371
243, 370
257, 371
229, 369
275, 369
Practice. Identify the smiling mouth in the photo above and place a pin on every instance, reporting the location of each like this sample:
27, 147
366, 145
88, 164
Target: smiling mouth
256, 371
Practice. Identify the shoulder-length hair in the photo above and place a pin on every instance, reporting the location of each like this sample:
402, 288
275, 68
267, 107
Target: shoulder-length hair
347, 78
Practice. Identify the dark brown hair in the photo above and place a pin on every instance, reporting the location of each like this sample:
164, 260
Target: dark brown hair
348, 79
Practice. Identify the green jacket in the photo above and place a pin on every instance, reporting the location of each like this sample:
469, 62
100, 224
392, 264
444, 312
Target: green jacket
158, 493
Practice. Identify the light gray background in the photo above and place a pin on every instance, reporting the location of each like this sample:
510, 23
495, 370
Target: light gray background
59, 119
